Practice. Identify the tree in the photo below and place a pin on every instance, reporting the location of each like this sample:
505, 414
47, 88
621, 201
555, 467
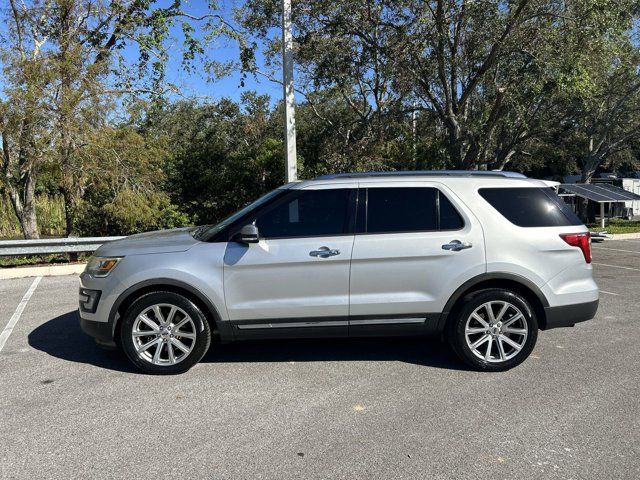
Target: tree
346, 61
481, 68
65, 62
225, 154
600, 82
123, 181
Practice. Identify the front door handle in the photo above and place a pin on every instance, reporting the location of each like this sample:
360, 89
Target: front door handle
324, 252
456, 245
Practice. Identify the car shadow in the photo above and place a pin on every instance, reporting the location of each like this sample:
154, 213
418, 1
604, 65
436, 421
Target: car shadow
416, 350
62, 337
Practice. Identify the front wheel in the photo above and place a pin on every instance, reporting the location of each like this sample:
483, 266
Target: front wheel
164, 333
494, 330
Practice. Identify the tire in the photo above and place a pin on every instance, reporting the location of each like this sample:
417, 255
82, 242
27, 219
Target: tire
472, 333
164, 333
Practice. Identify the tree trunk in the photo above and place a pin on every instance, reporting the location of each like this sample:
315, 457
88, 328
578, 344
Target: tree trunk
23, 201
28, 220
454, 143
69, 210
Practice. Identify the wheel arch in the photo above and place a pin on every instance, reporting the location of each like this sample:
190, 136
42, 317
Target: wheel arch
127, 297
507, 281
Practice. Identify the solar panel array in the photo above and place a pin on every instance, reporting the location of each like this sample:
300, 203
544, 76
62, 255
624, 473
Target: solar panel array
600, 192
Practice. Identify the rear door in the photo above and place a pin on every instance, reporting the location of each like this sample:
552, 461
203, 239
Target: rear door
295, 281
415, 244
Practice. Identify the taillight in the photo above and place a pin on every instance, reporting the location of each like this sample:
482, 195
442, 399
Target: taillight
580, 240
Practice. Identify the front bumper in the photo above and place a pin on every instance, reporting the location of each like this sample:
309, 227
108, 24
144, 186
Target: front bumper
569, 315
95, 308
102, 332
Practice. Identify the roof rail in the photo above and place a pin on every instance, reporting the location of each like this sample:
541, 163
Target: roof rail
434, 173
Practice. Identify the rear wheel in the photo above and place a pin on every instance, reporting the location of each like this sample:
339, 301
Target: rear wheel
494, 330
164, 333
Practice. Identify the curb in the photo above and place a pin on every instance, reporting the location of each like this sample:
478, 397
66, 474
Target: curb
42, 271
624, 236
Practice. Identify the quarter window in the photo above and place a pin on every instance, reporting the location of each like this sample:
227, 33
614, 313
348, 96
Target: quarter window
530, 207
307, 213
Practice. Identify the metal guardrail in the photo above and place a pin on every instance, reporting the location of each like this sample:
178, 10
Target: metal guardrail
598, 237
12, 248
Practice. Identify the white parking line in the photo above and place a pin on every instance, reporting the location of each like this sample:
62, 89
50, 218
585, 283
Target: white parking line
616, 266
4, 336
616, 250
610, 293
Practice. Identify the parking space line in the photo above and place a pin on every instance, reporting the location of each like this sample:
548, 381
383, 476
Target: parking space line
616, 250
4, 336
616, 266
609, 293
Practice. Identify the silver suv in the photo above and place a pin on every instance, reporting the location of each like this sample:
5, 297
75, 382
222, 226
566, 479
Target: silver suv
484, 259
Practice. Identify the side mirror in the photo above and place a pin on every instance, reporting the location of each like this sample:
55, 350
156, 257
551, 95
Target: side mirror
247, 234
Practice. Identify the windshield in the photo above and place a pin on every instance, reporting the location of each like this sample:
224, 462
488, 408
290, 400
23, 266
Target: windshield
205, 232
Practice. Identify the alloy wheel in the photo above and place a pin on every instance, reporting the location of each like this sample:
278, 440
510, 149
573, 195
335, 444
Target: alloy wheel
163, 334
496, 331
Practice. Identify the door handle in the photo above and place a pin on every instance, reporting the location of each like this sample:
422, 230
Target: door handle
324, 252
456, 245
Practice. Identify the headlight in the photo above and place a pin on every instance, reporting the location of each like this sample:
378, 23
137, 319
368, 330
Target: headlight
101, 266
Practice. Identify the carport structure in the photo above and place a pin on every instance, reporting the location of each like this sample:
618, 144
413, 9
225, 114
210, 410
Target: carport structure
600, 193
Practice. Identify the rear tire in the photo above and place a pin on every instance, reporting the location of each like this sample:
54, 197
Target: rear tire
164, 333
493, 330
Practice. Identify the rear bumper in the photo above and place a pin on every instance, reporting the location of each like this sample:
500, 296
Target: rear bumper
569, 315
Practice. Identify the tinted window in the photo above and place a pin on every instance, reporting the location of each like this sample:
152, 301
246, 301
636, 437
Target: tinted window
450, 219
206, 232
308, 213
530, 207
402, 210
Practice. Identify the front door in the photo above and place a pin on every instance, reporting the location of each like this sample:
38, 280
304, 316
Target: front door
415, 244
295, 281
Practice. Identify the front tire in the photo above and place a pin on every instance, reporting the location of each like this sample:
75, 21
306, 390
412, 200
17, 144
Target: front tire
494, 330
164, 333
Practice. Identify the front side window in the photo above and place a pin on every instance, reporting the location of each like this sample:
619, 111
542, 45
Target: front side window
307, 213
207, 232
531, 207
409, 209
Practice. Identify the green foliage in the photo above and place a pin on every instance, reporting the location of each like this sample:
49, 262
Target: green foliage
128, 212
224, 154
124, 185
618, 225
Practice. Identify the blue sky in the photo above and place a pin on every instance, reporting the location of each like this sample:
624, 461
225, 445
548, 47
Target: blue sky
194, 84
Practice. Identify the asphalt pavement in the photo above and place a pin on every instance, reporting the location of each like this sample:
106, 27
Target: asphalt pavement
324, 409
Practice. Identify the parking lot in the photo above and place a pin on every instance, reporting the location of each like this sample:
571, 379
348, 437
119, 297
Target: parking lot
371, 408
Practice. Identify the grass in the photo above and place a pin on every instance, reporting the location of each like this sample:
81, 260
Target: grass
49, 211
9, 262
51, 223
618, 225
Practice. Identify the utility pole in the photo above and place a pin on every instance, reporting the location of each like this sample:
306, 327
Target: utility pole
289, 101
414, 135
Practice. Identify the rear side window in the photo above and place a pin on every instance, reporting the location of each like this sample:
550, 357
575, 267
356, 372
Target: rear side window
530, 207
450, 219
409, 209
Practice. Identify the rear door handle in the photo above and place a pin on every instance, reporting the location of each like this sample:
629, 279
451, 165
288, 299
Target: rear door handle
456, 245
324, 252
